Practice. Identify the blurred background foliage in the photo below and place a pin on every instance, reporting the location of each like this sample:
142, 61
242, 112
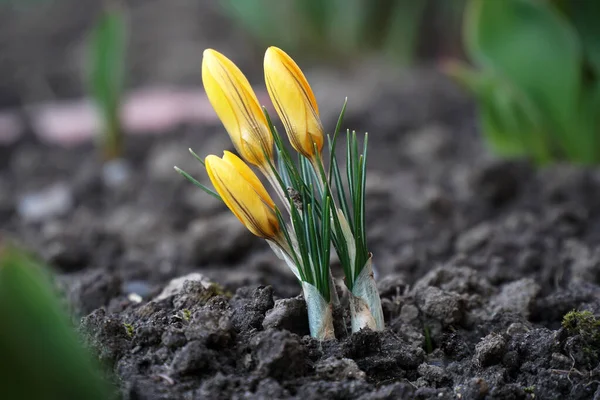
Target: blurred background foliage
42, 357
536, 76
344, 30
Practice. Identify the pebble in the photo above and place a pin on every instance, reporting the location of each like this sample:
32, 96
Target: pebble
55, 200
116, 173
138, 288
175, 286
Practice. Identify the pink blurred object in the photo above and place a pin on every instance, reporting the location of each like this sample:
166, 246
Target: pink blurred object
67, 123
152, 110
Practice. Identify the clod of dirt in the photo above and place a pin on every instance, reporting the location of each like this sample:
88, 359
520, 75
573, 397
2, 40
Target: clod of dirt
93, 290
290, 314
250, 306
193, 358
475, 388
335, 369
391, 285
474, 238
279, 354
106, 335
211, 326
498, 181
516, 297
458, 279
446, 307
584, 262
195, 293
433, 375
489, 350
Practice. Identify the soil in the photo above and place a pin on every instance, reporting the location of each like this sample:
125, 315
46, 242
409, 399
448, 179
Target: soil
477, 262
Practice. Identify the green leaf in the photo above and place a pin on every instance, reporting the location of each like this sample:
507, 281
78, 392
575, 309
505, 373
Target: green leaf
198, 184
106, 75
585, 17
589, 123
531, 45
41, 353
402, 36
511, 122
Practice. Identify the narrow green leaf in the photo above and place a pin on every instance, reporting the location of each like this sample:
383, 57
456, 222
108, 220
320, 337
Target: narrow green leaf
197, 157
332, 143
200, 185
106, 71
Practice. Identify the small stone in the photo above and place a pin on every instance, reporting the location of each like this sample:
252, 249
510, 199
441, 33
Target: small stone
489, 350
175, 286
55, 200
289, 314
516, 328
116, 173
334, 369
136, 287
134, 298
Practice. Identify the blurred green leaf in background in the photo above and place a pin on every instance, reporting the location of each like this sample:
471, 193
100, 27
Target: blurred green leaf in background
41, 355
344, 29
536, 76
106, 74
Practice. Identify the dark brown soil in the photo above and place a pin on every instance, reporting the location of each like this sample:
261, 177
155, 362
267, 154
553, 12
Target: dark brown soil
478, 260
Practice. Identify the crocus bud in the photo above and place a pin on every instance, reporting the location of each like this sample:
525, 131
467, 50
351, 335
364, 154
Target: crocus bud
294, 101
238, 108
244, 194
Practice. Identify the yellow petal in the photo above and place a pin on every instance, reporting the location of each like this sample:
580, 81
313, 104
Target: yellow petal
233, 99
294, 101
249, 176
242, 199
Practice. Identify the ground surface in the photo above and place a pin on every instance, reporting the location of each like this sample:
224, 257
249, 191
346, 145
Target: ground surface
478, 261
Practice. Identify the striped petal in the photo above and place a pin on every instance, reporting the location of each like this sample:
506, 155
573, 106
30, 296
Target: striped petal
234, 101
242, 197
294, 102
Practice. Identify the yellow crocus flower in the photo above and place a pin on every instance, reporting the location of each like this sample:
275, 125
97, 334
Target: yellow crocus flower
244, 194
233, 99
294, 101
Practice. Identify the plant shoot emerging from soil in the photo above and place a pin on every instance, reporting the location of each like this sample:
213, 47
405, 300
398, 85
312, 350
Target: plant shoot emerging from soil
106, 72
321, 205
